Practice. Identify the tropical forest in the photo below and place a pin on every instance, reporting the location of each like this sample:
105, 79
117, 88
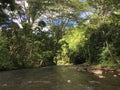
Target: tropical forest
59, 44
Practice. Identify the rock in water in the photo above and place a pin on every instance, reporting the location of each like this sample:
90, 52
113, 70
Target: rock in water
69, 81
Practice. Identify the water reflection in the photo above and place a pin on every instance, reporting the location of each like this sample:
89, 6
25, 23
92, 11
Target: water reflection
56, 78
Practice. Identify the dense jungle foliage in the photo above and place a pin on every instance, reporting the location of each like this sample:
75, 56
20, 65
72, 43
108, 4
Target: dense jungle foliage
39, 33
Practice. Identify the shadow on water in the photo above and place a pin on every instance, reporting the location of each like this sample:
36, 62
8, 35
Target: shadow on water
56, 78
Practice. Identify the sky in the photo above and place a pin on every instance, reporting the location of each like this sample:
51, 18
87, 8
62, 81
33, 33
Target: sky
85, 14
82, 0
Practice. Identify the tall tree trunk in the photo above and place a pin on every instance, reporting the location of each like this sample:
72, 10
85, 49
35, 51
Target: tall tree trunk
109, 51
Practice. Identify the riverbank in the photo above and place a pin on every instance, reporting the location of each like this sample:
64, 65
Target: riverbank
99, 71
80, 67
84, 67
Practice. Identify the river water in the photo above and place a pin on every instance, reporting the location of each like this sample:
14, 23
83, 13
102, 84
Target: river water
56, 78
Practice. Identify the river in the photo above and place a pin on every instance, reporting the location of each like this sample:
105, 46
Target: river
56, 78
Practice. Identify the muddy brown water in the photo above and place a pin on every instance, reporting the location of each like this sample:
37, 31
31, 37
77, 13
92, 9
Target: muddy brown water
57, 78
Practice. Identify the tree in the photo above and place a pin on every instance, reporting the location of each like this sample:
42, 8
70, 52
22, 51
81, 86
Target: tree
102, 12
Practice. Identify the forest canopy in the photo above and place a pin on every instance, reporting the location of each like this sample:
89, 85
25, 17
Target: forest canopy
35, 33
